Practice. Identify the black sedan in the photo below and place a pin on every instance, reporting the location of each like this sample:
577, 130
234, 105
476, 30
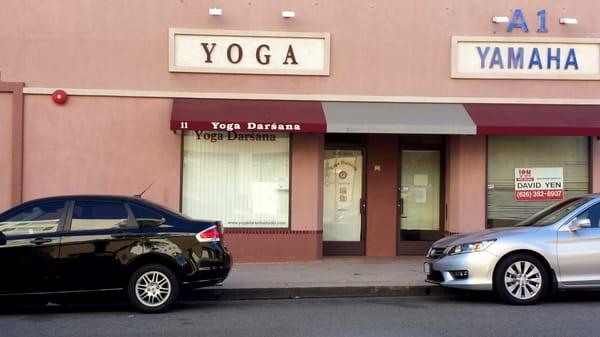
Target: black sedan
74, 244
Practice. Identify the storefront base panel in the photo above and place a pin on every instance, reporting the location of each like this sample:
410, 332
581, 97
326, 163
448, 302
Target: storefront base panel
274, 245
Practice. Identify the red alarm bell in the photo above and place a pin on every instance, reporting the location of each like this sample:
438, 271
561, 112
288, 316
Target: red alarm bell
59, 96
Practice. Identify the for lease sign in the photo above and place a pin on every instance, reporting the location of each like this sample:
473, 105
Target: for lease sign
539, 183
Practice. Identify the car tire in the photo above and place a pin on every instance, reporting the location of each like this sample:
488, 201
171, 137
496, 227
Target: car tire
153, 288
521, 279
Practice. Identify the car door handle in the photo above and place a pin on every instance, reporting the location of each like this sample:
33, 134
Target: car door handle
40, 240
124, 235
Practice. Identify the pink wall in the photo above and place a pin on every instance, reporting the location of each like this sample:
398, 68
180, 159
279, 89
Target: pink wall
595, 165
384, 47
382, 186
465, 184
5, 149
101, 145
307, 182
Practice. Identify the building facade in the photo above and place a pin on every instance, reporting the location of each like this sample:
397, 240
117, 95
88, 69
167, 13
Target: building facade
309, 128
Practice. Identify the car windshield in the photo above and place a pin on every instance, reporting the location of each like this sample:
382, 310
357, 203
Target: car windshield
553, 213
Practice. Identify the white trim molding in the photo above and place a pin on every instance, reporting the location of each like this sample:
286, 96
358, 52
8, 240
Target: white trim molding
306, 97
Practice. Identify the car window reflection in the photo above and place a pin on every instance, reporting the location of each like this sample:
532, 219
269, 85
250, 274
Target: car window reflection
37, 219
93, 215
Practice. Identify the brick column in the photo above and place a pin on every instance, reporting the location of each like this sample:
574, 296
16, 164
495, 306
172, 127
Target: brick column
382, 151
595, 163
16, 141
466, 184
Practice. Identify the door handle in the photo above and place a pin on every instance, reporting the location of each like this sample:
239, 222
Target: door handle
40, 240
118, 235
124, 235
363, 206
400, 206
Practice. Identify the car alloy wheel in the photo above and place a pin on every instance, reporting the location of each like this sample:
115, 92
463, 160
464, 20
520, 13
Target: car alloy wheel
523, 280
153, 288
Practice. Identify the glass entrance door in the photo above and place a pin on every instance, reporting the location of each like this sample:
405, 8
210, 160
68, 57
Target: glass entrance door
343, 202
419, 200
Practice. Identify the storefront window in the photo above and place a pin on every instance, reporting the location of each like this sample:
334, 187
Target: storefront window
526, 174
241, 179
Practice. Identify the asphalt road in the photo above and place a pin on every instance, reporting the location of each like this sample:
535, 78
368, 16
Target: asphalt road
455, 315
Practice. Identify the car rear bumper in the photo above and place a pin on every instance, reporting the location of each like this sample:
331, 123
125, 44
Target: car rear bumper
479, 268
210, 271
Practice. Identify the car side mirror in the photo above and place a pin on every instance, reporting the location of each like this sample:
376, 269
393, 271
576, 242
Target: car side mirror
578, 224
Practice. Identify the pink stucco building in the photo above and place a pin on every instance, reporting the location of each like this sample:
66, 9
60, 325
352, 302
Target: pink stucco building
354, 128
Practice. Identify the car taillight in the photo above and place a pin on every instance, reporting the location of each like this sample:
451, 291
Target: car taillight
211, 234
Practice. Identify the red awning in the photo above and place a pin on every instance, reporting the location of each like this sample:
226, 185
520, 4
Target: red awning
247, 115
535, 120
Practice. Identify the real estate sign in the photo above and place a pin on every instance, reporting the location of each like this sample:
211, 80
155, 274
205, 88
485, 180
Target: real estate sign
539, 184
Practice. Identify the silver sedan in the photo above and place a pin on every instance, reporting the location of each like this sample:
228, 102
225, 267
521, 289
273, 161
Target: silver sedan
557, 248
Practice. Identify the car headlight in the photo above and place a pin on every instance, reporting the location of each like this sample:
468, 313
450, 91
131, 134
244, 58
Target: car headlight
470, 247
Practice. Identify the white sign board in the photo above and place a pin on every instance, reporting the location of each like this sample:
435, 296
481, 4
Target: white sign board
525, 58
241, 52
539, 184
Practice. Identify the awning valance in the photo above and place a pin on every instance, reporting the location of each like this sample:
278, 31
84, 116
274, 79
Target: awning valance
389, 118
397, 118
247, 115
531, 120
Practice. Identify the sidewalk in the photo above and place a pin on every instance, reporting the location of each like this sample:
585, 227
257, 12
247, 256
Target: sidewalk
330, 277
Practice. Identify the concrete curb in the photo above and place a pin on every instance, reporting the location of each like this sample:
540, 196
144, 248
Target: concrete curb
231, 294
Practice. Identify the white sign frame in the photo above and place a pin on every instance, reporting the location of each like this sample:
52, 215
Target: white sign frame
456, 40
326, 37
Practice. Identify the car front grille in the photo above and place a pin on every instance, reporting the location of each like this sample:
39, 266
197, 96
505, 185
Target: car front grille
436, 252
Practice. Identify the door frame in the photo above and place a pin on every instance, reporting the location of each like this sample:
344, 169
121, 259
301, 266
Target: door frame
351, 247
406, 247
